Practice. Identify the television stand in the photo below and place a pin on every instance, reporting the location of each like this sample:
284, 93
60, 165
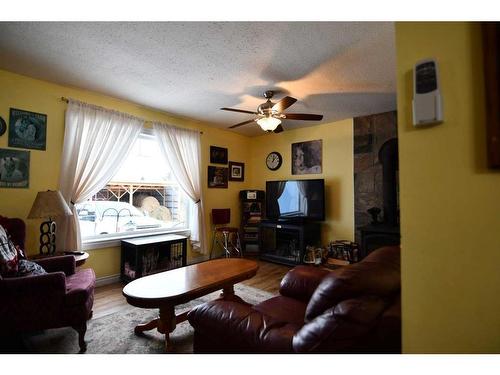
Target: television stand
285, 241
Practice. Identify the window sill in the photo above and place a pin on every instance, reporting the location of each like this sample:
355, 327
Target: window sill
114, 241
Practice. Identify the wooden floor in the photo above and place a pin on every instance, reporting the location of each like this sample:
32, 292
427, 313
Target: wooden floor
108, 299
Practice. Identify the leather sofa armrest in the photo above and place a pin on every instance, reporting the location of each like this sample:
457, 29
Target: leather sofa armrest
339, 328
17, 287
64, 263
241, 328
301, 282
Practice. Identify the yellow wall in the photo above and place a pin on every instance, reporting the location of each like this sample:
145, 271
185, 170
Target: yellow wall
450, 206
450, 201
39, 96
44, 97
337, 170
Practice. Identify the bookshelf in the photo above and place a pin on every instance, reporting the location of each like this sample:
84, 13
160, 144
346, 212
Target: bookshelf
252, 212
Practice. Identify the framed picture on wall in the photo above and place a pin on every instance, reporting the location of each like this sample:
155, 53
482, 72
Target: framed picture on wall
217, 177
307, 157
491, 50
27, 129
236, 171
14, 168
218, 155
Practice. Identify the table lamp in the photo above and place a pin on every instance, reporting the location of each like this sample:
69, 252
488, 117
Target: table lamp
48, 205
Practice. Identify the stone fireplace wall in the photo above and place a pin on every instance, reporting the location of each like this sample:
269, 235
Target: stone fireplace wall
370, 133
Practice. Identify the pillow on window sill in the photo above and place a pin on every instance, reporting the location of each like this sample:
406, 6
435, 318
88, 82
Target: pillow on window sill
8, 255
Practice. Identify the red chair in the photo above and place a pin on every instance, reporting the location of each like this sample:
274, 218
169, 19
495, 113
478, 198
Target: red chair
62, 297
226, 237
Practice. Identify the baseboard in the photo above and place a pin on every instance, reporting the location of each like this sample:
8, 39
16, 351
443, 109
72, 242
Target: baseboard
105, 280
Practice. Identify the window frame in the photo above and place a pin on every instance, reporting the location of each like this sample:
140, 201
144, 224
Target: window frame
114, 239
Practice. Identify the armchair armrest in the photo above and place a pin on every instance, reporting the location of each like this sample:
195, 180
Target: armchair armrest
31, 302
64, 263
17, 287
301, 282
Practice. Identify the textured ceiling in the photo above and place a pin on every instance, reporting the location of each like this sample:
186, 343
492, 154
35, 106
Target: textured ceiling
338, 69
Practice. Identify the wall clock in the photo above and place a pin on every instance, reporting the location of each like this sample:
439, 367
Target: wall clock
274, 160
3, 126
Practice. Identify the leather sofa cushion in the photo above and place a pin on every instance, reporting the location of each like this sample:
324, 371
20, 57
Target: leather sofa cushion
389, 328
362, 310
80, 287
301, 282
241, 328
378, 274
283, 309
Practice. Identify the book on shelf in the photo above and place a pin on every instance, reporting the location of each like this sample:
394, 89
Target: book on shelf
252, 207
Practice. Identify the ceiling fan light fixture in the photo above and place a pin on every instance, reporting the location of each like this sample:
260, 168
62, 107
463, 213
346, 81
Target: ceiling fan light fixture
268, 124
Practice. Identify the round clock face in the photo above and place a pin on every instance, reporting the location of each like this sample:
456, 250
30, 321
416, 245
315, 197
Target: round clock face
3, 126
273, 160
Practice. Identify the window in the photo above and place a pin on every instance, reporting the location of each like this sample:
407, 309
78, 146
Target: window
142, 197
291, 201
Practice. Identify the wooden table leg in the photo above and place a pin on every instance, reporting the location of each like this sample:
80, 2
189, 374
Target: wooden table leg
165, 324
228, 294
146, 326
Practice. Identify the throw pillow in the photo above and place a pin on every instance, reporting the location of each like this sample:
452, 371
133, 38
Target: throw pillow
29, 268
8, 255
20, 252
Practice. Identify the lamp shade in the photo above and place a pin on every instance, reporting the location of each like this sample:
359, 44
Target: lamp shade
49, 204
268, 123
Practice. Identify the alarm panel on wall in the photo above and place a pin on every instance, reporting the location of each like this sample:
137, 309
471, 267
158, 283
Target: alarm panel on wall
427, 103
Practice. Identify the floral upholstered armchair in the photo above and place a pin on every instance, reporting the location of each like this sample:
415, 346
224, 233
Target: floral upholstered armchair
51, 296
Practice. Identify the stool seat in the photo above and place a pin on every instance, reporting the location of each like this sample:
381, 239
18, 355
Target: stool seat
227, 229
228, 238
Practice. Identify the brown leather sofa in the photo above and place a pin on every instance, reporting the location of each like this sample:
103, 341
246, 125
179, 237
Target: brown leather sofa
354, 309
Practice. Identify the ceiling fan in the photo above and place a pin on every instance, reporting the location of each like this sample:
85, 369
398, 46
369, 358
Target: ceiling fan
269, 114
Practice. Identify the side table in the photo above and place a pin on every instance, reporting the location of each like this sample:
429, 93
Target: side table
79, 258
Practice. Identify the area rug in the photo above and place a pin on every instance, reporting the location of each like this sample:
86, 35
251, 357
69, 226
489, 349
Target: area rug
114, 333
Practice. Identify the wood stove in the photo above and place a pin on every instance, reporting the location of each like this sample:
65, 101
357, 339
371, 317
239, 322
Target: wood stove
386, 232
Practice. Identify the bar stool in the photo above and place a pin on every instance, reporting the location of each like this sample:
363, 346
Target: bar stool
226, 237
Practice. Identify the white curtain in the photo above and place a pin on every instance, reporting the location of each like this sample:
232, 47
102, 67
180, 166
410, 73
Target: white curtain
182, 151
96, 143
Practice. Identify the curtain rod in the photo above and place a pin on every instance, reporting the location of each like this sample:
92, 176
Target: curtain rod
66, 100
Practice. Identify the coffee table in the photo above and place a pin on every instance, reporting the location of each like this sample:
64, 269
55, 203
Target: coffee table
167, 289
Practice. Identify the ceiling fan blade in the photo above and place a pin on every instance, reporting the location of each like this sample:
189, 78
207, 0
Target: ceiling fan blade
284, 103
303, 116
241, 123
238, 110
279, 129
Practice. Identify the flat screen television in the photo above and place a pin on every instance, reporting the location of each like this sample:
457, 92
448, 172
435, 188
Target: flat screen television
295, 199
